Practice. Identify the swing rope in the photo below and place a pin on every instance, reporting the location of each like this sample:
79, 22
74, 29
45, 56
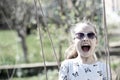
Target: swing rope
44, 20
40, 36
41, 42
108, 68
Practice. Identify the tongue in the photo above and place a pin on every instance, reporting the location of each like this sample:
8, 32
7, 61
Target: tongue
85, 49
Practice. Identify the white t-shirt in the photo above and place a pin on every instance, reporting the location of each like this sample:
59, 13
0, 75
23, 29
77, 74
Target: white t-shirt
73, 69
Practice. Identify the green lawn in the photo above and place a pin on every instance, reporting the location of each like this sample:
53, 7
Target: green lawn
11, 51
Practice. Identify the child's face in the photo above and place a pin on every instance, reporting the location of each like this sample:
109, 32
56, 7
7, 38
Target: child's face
85, 39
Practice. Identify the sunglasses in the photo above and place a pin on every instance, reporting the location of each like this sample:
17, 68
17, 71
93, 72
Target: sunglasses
90, 35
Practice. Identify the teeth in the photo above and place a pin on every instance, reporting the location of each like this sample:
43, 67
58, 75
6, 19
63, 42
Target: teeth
85, 44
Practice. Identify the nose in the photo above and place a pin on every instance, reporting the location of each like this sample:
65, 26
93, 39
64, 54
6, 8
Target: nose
85, 38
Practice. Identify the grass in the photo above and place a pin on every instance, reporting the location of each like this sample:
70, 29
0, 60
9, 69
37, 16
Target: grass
8, 47
11, 51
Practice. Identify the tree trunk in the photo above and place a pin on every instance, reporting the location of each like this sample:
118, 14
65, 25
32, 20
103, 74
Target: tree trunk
21, 33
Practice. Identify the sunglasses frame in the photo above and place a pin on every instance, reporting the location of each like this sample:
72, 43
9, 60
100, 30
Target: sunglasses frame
81, 35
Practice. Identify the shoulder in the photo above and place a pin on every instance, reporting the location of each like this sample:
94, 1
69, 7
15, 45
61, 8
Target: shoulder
67, 62
101, 63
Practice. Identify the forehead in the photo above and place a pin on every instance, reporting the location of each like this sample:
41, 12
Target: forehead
83, 27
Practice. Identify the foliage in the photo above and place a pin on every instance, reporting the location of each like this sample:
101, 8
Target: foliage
115, 65
6, 10
56, 12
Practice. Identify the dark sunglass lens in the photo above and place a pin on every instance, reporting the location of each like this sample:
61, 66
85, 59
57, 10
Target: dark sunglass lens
91, 35
80, 35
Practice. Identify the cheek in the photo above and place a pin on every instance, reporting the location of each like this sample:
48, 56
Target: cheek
77, 42
94, 43
78, 45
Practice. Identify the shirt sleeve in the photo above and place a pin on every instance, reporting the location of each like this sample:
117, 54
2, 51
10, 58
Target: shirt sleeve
63, 72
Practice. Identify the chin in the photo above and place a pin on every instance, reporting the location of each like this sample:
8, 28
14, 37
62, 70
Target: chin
87, 55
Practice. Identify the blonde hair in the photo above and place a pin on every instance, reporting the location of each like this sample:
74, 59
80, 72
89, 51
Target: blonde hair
72, 29
71, 52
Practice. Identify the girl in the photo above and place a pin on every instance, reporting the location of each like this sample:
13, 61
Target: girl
81, 63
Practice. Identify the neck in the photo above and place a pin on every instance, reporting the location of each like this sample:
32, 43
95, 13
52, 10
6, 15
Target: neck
87, 60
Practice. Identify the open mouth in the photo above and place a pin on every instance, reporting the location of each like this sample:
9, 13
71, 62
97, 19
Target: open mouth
85, 48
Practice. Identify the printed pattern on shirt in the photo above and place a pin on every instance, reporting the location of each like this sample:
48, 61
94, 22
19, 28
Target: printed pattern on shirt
92, 70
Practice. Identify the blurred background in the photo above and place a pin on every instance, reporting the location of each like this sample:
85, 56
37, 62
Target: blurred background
34, 35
